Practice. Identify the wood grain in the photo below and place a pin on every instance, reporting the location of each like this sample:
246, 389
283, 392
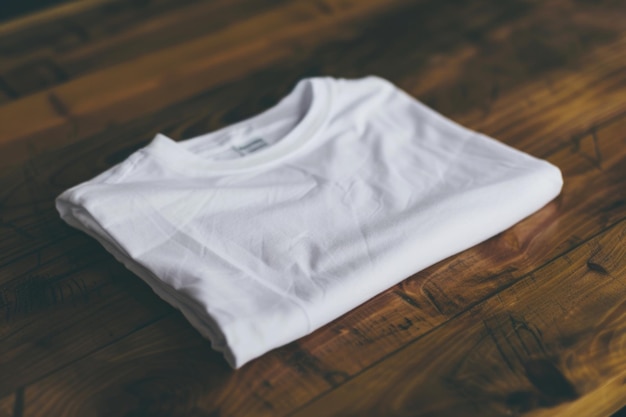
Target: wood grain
533, 349
151, 82
80, 335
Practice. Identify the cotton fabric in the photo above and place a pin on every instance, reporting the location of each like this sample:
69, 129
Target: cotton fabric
265, 230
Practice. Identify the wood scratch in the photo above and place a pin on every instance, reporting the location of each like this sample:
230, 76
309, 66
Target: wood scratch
495, 341
408, 299
18, 404
8, 90
596, 158
596, 147
432, 299
493, 96
519, 356
58, 105
521, 325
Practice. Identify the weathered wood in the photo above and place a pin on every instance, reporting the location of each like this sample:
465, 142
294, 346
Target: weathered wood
148, 83
364, 339
534, 349
541, 326
480, 271
360, 338
108, 34
179, 373
79, 335
479, 49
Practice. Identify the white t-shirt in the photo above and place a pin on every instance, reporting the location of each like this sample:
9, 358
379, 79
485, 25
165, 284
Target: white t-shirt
265, 230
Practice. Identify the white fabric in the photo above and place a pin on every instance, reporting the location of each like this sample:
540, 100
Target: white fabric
265, 230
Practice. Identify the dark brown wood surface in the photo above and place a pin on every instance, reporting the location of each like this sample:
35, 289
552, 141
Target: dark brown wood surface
531, 322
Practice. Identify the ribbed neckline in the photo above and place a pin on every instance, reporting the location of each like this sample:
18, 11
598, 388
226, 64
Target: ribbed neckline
309, 101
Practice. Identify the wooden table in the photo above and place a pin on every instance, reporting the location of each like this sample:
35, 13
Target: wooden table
531, 322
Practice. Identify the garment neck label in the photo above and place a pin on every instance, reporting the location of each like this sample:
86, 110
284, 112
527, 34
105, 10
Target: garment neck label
250, 147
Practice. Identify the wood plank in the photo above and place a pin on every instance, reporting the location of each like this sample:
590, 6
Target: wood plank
480, 59
158, 32
46, 318
45, 16
49, 29
10, 405
37, 60
119, 93
487, 361
537, 348
176, 365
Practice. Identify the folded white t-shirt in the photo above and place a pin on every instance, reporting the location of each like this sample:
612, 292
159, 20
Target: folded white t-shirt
265, 230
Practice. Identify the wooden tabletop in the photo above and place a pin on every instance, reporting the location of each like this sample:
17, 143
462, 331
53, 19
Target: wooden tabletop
530, 323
